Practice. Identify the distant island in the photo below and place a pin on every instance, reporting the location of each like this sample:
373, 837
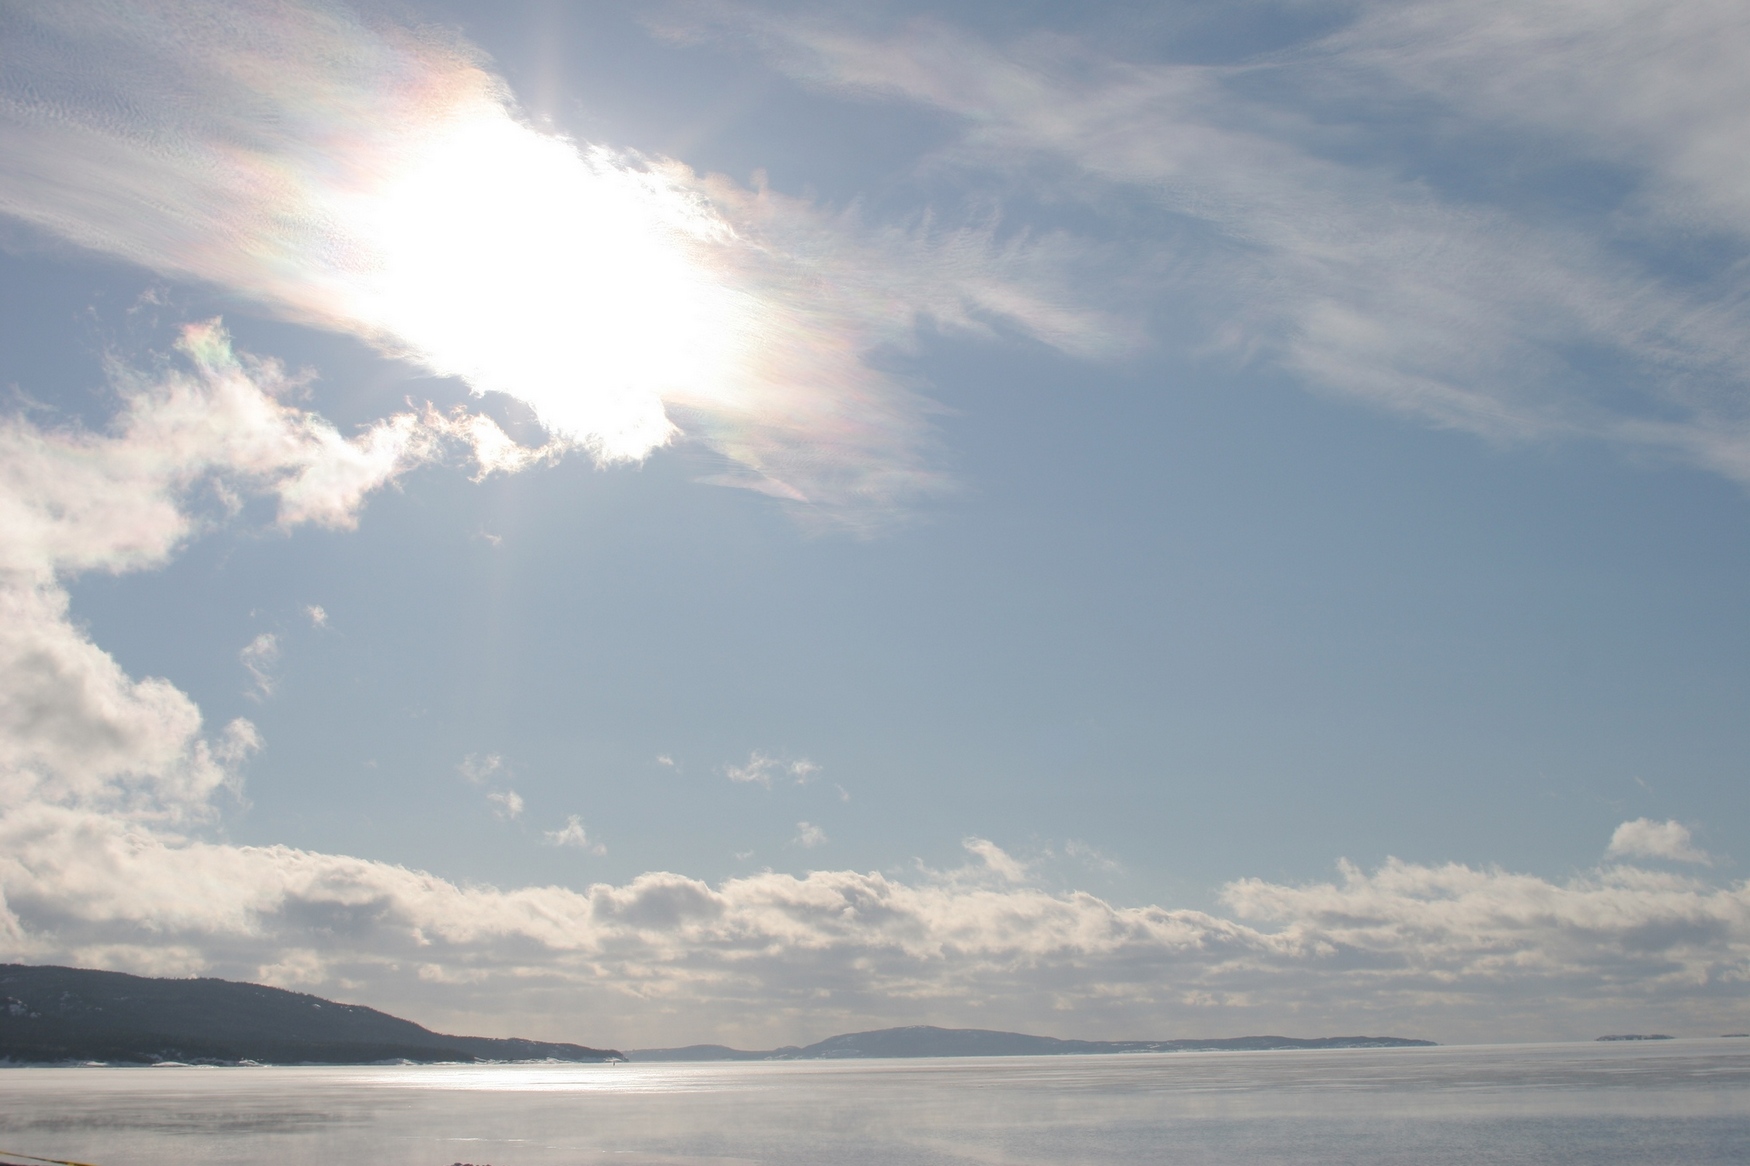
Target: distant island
1638, 1036
922, 1040
51, 1015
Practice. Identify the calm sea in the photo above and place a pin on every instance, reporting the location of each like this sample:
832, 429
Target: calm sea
1679, 1102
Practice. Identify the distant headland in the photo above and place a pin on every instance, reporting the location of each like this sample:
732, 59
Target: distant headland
54, 1015
922, 1040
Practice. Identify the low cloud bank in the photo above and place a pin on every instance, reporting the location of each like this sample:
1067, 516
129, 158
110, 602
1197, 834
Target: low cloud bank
1454, 951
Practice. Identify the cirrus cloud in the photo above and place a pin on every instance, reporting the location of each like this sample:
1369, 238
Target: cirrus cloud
1319, 205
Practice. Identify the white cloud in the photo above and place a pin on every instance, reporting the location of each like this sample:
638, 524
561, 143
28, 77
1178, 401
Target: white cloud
572, 834
761, 767
491, 769
259, 656
808, 836
997, 860
378, 181
1645, 838
756, 770
1658, 87
1451, 951
1092, 856
1297, 227
317, 616
189, 442
478, 770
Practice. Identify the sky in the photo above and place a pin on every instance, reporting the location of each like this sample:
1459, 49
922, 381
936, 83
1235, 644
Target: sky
652, 524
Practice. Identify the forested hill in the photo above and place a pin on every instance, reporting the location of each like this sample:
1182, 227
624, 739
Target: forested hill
50, 1014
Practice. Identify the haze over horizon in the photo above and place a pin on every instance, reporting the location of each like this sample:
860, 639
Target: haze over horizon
740, 522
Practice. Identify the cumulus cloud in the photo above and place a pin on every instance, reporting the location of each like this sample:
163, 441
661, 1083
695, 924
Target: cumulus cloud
317, 616
1451, 950
808, 836
506, 803
191, 440
382, 182
1290, 222
1645, 838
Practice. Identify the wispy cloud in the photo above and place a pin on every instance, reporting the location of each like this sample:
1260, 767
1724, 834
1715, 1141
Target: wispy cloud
1092, 856
490, 769
997, 860
808, 836
478, 769
382, 182
761, 768
259, 656
1645, 838
1290, 221
572, 834
1659, 88
506, 803
317, 616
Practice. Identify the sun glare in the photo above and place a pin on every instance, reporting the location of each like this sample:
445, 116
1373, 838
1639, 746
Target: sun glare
567, 278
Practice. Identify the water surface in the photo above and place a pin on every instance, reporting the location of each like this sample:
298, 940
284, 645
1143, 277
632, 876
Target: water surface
1684, 1103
